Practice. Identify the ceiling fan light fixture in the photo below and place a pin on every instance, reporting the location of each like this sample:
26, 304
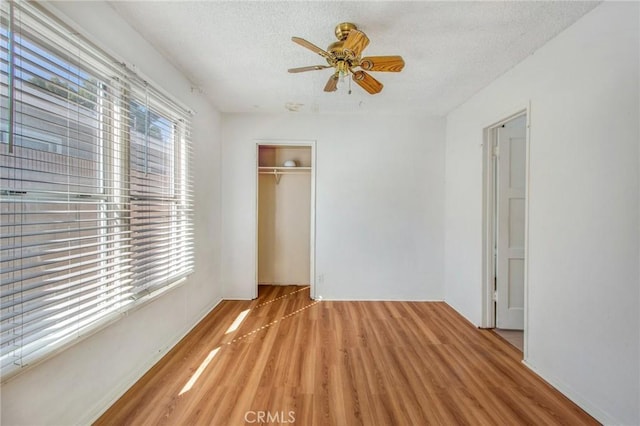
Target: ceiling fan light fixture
345, 54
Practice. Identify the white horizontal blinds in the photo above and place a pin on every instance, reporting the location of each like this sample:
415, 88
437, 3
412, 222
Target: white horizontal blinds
160, 201
63, 252
91, 199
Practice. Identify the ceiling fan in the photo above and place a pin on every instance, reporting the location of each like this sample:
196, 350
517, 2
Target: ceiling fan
345, 54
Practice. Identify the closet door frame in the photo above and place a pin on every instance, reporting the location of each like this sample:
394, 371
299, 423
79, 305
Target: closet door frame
284, 143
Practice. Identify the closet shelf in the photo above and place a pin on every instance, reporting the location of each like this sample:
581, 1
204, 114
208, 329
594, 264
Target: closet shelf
268, 169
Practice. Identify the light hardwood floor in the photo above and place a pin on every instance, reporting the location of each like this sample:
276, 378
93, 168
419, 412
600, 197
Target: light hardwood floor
340, 363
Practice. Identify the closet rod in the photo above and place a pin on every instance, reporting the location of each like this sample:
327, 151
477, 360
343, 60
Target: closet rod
277, 172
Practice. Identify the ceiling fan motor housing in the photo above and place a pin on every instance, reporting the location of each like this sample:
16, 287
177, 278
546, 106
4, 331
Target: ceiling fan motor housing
343, 59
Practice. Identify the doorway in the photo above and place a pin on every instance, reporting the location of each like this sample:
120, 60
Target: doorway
505, 222
285, 214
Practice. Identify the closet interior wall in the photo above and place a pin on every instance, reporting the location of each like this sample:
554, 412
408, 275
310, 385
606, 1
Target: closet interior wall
284, 216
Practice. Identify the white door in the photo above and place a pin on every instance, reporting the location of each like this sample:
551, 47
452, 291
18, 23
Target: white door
511, 179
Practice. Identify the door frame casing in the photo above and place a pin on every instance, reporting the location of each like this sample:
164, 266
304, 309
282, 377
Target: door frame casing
488, 214
312, 207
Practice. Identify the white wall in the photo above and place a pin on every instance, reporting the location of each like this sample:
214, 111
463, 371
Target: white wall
379, 203
583, 291
75, 386
284, 229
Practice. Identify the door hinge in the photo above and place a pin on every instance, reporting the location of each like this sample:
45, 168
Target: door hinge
495, 296
496, 150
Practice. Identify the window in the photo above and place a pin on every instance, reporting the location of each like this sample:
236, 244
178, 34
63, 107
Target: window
158, 191
96, 212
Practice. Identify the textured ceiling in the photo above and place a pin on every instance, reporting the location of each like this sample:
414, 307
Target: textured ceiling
238, 52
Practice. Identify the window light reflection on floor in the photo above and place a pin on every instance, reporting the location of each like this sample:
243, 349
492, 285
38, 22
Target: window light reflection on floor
199, 371
236, 323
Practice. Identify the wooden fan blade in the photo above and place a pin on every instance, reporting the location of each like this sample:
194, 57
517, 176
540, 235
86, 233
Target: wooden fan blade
311, 68
304, 43
332, 84
382, 63
356, 42
367, 82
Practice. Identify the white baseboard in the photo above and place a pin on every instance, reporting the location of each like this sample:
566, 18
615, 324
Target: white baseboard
375, 300
116, 393
594, 411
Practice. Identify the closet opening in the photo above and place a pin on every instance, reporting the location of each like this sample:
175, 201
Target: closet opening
285, 217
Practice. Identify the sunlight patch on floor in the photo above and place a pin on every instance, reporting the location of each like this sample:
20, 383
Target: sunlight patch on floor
187, 387
236, 323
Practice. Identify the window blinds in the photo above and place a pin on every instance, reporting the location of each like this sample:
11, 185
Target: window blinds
96, 208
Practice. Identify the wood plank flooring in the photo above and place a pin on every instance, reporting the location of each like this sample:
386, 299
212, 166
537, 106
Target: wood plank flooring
294, 360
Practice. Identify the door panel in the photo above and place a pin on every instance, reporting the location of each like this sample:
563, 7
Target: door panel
511, 180
516, 284
516, 223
